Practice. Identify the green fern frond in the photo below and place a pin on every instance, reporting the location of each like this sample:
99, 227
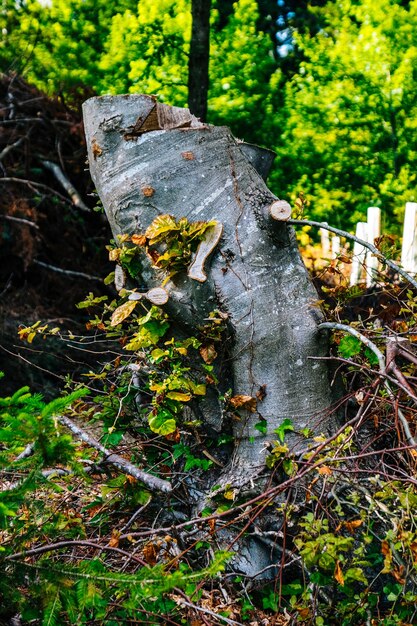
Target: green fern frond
52, 611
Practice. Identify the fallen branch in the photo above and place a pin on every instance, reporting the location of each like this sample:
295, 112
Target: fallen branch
73, 542
366, 244
67, 185
10, 147
153, 482
35, 186
382, 368
20, 220
53, 268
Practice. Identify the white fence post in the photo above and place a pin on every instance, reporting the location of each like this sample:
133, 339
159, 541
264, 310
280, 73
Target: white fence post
409, 247
335, 246
359, 253
325, 243
373, 231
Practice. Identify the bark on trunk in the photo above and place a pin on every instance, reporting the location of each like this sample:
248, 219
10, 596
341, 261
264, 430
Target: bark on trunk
198, 65
255, 274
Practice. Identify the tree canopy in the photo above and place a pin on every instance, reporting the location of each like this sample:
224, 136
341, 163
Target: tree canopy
328, 85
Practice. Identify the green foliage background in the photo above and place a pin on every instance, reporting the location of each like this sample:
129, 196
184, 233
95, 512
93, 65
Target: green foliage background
339, 108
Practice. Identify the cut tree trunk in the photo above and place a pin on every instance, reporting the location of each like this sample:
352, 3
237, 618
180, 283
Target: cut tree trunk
198, 65
255, 273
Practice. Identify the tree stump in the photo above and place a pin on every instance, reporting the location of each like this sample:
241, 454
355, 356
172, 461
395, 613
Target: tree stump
148, 159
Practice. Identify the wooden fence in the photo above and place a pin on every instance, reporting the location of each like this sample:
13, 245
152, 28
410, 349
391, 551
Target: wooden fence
364, 264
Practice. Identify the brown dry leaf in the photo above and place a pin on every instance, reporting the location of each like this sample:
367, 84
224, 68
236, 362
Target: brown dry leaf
344, 259
147, 191
413, 548
243, 402
175, 436
115, 538
325, 470
208, 353
150, 553
138, 240
338, 574
398, 573
154, 256
212, 526
351, 526
261, 393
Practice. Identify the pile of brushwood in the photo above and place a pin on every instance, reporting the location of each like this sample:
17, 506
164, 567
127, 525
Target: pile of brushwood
97, 524
52, 248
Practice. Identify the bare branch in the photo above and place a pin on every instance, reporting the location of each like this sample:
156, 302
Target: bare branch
73, 542
10, 147
67, 185
382, 367
153, 482
20, 220
53, 268
366, 244
34, 186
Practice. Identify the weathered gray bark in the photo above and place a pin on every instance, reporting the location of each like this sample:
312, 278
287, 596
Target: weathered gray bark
148, 160
256, 274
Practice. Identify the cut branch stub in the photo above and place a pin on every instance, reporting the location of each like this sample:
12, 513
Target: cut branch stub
157, 296
280, 210
119, 277
207, 245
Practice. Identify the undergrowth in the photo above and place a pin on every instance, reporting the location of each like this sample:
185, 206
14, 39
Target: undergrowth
83, 542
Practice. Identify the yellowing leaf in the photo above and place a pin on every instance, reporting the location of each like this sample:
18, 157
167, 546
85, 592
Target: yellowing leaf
338, 574
122, 312
198, 390
114, 254
230, 494
180, 397
158, 353
161, 225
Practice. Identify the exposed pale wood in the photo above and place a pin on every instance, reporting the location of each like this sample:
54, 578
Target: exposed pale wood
207, 245
157, 116
119, 277
157, 296
280, 210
